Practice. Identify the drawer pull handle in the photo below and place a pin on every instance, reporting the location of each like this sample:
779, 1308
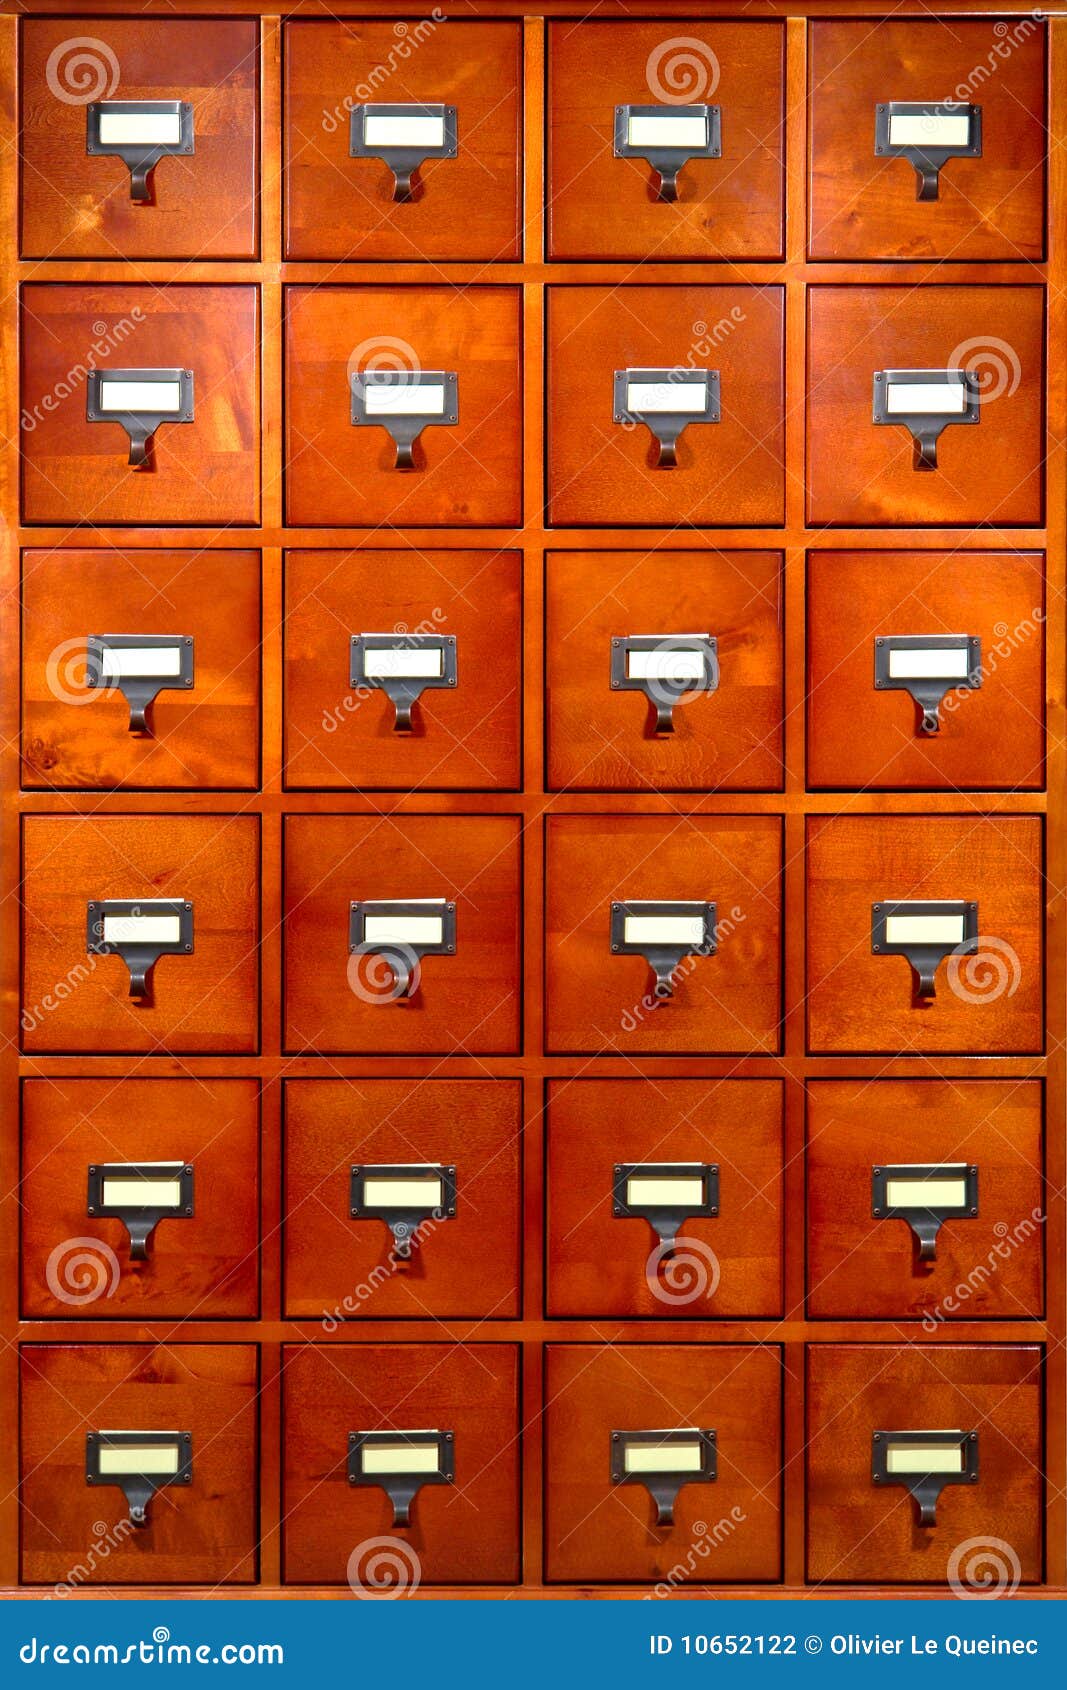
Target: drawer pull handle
405, 1195
139, 401
140, 1195
403, 137
925, 402
667, 137
404, 402
665, 1194
401, 932
140, 931
400, 1463
926, 931
928, 666
403, 666
140, 132
669, 669
140, 666
664, 1461
927, 133
925, 1195
924, 1463
666, 401
664, 932
139, 1463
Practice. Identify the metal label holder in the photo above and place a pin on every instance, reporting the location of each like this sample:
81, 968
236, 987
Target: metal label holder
926, 1488
927, 690
927, 160
404, 430
664, 1484
666, 427
924, 956
140, 157
140, 1220
400, 954
140, 690
139, 956
925, 428
138, 1488
402, 1221
925, 1222
664, 693
403, 691
665, 1218
140, 426
402, 1488
403, 160
664, 159
663, 959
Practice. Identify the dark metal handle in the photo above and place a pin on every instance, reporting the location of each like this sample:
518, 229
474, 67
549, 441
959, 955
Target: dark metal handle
139, 189
664, 1509
667, 191
925, 452
664, 716
666, 458
140, 1231
403, 192
405, 454
924, 974
401, 973
402, 719
664, 988
138, 451
927, 184
138, 723
140, 976
927, 1509
931, 722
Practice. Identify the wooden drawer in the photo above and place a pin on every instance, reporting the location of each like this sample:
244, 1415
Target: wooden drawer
203, 1532
604, 1260
865, 205
464, 1260
75, 1000
601, 206
986, 1004
466, 1532
463, 207
863, 1266
206, 735
202, 471
75, 205
723, 1002
726, 1529
606, 471
463, 474
339, 1000
867, 1532
461, 736
988, 737
861, 473
606, 736
78, 1264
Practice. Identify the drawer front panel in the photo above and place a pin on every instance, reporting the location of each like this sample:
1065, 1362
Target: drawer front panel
601, 1263
342, 1001
463, 1264
466, 736
867, 1533
203, 471
986, 1004
607, 739
201, 1533
987, 1266
989, 737
465, 474
725, 1530
80, 1266
865, 206
464, 1533
864, 474
78, 206
597, 1001
601, 206
604, 471
203, 736
73, 1000
461, 208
